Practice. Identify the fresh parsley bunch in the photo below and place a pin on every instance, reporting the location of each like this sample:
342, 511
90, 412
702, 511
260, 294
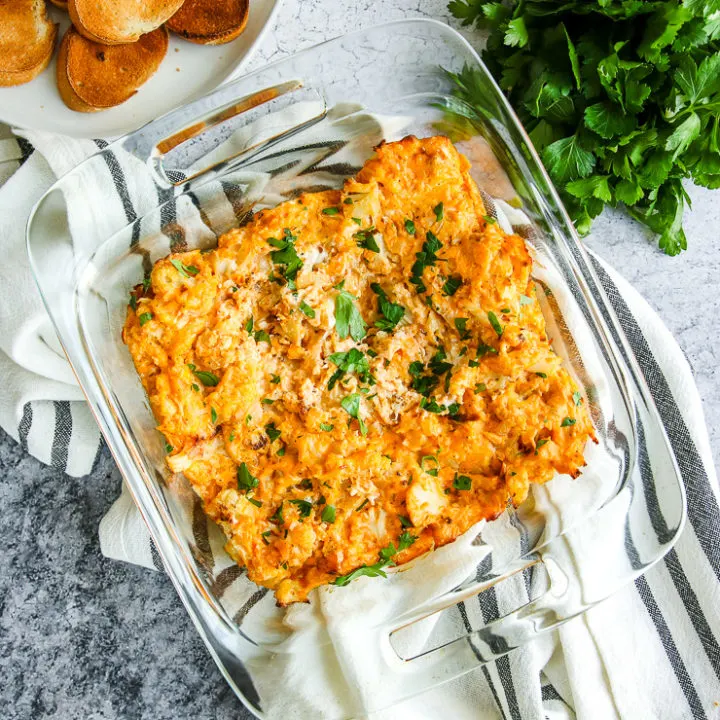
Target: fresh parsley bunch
620, 97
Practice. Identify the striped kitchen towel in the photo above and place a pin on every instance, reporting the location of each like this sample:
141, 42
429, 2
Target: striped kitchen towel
651, 651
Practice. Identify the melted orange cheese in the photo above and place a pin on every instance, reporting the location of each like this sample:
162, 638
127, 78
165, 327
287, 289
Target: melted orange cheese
236, 362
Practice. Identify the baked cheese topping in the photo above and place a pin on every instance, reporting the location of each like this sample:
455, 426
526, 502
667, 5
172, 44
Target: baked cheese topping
356, 377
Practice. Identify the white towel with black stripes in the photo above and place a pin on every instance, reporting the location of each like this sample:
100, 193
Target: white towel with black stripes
649, 652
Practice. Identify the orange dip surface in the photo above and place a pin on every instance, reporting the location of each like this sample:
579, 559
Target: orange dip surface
357, 377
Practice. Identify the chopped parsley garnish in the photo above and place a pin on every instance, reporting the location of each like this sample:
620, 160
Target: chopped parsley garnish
525, 300
452, 285
208, 379
366, 239
352, 361
348, 201
133, 301
392, 312
439, 212
430, 464
386, 560
497, 327
267, 401
567, 422
286, 256
147, 282
328, 514
405, 521
265, 535
483, 350
246, 481
261, 336
461, 326
427, 257
348, 320
272, 432
304, 507
432, 406
489, 219
278, 516
256, 503
362, 505
185, 270
409, 227
275, 379
577, 398
351, 405
232, 437
249, 325
480, 387
541, 375
168, 447
331, 211
195, 387
213, 415
326, 428
306, 309
438, 364
375, 570
462, 482
144, 318
540, 443
357, 221
505, 311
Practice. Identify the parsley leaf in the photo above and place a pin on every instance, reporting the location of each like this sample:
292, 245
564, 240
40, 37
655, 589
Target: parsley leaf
185, 270
392, 312
496, 326
439, 211
366, 239
348, 320
304, 507
246, 481
452, 285
351, 405
272, 432
375, 570
409, 227
621, 98
144, 318
208, 379
286, 256
462, 482
328, 514
306, 309
352, 361
427, 257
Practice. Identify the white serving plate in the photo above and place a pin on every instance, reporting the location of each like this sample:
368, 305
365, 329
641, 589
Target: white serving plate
187, 72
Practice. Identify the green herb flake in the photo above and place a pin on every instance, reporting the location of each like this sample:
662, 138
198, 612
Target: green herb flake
439, 212
232, 437
195, 387
461, 327
208, 379
567, 422
286, 257
348, 320
306, 309
430, 464
405, 521
362, 505
328, 514
365, 239
331, 211
256, 503
496, 326
541, 375
348, 201
489, 219
278, 516
427, 257
409, 227
462, 482
275, 379
357, 221
304, 507
246, 481
213, 415
133, 301
265, 535
363, 571
185, 270
267, 401
352, 361
452, 285
168, 447
145, 318
261, 336
391, 312
480, 387
249, 325
325, 427
351, 405
577, 398
272, 432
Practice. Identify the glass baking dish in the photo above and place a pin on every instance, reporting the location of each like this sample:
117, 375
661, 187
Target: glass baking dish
308, 122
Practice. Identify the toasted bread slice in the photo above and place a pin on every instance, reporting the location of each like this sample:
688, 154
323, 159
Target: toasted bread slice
27, 40
113, 23
210, 22
94, 77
